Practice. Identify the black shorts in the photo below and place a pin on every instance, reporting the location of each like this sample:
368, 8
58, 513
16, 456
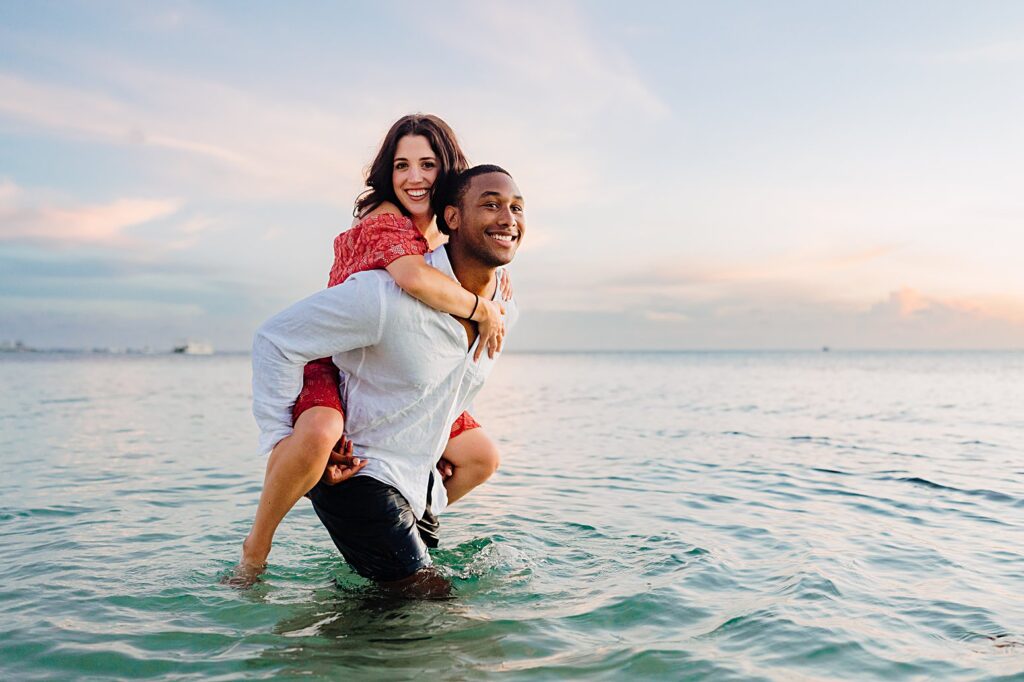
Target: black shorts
374, 527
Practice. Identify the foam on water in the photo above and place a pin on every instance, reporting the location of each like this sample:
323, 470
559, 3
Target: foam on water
720, 515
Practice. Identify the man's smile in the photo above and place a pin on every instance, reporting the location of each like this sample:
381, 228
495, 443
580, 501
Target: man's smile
504, 236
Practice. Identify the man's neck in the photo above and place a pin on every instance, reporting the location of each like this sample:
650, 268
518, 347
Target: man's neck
428, 228
472, 275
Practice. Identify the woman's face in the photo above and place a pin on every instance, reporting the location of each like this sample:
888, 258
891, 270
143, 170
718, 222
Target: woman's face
413, 173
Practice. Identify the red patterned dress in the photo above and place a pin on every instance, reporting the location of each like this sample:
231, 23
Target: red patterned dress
373, 244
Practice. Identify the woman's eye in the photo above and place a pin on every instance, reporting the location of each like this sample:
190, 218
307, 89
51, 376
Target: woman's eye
429, 165
399, 166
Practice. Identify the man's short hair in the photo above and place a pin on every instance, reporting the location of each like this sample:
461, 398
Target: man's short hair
455, 191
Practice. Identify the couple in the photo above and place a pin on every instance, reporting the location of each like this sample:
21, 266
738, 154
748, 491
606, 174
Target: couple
406, 318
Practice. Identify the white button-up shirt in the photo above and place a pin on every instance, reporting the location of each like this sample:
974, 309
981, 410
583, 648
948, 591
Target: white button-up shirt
408, 372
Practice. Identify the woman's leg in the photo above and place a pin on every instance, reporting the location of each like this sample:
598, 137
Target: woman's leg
474, 457
294, 467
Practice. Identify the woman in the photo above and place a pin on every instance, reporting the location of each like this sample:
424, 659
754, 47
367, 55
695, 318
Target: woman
394, 226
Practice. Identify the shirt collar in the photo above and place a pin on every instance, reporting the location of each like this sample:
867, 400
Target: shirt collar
439, 259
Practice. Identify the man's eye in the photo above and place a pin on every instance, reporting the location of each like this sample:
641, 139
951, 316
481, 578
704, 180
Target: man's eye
517, 209
491, 204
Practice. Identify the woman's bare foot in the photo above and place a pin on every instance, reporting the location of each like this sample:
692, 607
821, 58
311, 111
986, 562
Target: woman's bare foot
246, 573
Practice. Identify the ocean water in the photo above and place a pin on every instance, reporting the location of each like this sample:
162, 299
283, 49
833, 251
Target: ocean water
776, 516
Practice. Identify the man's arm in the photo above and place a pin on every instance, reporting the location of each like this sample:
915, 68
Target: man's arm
335, 320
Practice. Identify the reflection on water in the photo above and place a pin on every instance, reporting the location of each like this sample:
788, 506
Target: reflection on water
728, 515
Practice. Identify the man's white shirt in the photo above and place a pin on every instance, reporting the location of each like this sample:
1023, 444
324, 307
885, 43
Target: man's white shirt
407, 369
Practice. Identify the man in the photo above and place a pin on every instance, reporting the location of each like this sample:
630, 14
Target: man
409, 372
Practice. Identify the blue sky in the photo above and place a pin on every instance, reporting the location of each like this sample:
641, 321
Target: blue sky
698, 175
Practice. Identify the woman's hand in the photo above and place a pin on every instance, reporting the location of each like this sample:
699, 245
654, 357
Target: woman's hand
491, 327
506, 285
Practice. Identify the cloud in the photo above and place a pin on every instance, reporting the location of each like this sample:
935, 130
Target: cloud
553, 80
8, 191
907, 303
905, 319
1004, 52
552, 48
797, 270
243, 143
103, 223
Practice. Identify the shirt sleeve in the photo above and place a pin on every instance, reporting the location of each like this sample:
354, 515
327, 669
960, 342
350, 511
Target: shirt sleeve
373, 244
329, 322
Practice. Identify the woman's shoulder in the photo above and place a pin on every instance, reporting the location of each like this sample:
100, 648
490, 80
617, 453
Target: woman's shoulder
383, 208
385, 214
381, 225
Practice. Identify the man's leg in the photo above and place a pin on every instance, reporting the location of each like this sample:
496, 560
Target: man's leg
374, 528
425, 583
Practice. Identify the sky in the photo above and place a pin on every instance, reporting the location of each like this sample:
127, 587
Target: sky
697, 175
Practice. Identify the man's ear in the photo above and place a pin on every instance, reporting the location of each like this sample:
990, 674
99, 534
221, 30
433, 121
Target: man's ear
451, 216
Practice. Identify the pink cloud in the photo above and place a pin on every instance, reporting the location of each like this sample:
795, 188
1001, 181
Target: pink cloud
906, 303
21, 218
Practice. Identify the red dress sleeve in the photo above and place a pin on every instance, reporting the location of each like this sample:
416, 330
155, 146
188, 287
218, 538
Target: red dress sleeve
373, 244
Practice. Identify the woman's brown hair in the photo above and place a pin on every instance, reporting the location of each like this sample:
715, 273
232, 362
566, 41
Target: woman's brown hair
450, 161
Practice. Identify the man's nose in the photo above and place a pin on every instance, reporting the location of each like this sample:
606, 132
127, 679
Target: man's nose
507, 217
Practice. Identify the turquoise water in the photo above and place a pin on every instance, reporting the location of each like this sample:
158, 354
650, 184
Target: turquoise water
777, 516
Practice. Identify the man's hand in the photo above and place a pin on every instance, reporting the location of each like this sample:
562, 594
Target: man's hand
341, 465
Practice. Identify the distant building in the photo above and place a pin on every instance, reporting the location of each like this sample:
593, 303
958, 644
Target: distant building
14, 347
194, 348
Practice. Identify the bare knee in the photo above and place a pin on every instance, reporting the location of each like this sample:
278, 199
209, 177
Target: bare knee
483, 461
489, 458
319, 428
474, 451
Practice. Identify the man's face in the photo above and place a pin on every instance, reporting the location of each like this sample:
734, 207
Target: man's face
490, 220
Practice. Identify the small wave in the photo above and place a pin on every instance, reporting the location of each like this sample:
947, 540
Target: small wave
992, 495
916, 480
58, 511
481, 556
808, 586
1006, 641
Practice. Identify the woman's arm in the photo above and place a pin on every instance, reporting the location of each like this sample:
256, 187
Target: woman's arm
445, 294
